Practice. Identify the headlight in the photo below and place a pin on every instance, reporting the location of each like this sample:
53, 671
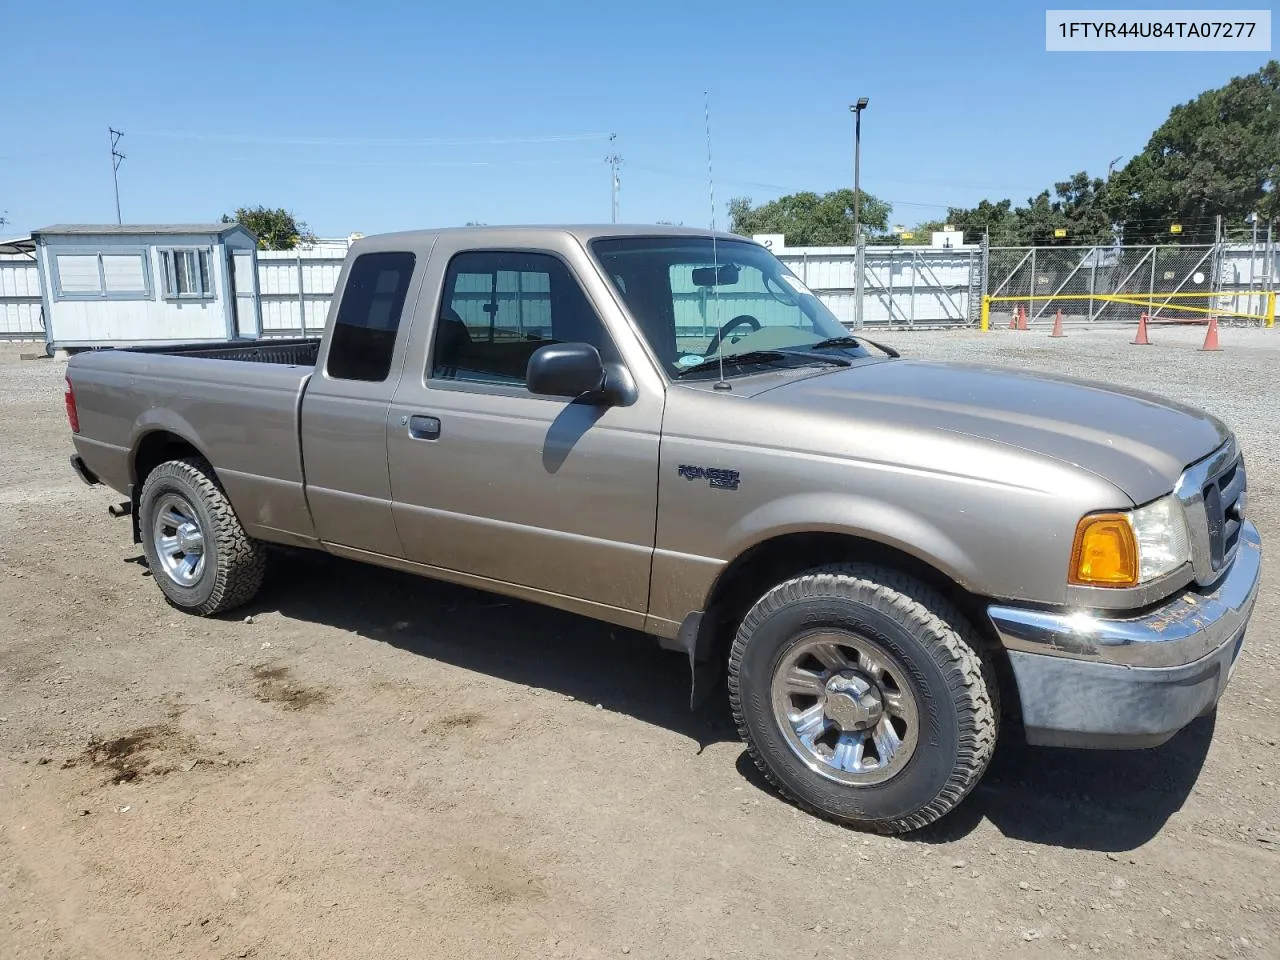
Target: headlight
1163, 544
1126, 549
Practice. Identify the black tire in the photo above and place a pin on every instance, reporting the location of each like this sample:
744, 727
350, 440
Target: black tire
940, 658
234, 562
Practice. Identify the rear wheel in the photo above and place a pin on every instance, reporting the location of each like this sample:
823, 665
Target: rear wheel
862, 695
198, 552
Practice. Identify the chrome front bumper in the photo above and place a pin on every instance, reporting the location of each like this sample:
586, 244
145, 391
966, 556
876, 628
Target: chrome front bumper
1091, 681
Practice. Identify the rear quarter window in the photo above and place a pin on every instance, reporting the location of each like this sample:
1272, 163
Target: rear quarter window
364, 333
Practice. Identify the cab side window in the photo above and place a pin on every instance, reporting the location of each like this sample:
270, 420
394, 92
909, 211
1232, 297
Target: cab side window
364, 333
499, 307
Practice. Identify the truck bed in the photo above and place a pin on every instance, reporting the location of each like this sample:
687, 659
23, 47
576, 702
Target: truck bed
300, 351
237, 404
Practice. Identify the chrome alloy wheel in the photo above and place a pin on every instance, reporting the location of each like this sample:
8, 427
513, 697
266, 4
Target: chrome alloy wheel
845, 709
178, 540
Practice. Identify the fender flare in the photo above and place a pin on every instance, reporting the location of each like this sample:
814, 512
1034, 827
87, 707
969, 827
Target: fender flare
851, 514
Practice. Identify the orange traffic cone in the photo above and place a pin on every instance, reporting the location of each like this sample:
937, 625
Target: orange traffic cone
1022, 318
1141, 339
1211, 336
1057, 325
1013, 319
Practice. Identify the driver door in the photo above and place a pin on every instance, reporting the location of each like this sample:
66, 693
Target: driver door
492, 481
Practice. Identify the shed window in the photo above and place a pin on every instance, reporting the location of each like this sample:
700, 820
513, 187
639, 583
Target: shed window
119, 275
186, 274
123, 273
78, 273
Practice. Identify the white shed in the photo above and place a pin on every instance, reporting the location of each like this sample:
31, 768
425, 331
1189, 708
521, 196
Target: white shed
116, 285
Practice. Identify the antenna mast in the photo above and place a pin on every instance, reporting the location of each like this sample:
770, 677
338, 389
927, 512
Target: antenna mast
723, 384
116, 159
614, 161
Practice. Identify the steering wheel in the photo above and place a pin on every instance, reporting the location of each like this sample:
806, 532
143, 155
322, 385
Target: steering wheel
741, 320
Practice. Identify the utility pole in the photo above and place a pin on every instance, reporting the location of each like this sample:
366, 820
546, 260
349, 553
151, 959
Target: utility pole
116, 159
614, 161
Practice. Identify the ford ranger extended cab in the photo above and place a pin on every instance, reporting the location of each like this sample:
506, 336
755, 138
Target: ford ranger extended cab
665, 429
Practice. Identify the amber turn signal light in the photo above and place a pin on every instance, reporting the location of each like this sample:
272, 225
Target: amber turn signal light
1105, 552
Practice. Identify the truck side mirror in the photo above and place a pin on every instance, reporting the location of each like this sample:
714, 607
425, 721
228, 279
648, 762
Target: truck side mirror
565, 370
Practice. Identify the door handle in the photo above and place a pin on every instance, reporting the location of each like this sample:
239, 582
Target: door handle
424, 428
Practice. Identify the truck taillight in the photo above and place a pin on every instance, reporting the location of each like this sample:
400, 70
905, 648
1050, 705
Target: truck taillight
73, 417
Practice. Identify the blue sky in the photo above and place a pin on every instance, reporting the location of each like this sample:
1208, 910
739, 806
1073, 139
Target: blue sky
386, 116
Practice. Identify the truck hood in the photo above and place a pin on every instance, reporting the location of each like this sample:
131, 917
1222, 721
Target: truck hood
1137, 441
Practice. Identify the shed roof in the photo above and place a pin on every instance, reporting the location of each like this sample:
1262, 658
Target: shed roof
135, 229
17, 245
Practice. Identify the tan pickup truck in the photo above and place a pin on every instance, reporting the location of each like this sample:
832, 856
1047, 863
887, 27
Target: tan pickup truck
665, 429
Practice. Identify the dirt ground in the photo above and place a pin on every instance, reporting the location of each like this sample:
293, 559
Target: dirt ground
379, 766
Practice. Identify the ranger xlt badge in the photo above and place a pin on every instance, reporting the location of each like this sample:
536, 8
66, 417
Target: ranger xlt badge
718, 478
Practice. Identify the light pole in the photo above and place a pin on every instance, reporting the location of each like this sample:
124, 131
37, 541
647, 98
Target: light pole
857, 109
858, 258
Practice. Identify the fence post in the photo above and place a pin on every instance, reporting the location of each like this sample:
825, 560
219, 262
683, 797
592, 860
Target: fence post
984, 322
911, 316
302, 303
984, 274
892, 256
1271, 309
1093, 277
1151, 284
1032, 288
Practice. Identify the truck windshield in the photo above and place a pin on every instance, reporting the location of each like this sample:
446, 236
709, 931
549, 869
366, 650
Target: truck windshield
695, 304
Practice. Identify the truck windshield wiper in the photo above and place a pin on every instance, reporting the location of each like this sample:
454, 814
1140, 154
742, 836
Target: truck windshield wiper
758, 356
852, 342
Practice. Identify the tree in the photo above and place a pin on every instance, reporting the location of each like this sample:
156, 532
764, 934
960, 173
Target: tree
1076, 206
1081, 204
921, 233
1218, 154
997, 220
809, 219
276, 229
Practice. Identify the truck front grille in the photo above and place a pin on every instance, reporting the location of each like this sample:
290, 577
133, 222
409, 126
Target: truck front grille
1224, 501
1214, 497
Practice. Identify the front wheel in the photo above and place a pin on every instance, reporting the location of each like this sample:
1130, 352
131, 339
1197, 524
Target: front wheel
198, 552
862, 695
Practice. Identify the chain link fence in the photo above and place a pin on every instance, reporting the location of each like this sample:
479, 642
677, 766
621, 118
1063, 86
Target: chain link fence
1115, 285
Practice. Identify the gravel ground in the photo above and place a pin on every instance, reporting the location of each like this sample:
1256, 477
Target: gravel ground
374, 765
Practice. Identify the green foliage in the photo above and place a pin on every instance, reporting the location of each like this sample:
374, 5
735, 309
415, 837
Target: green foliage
276, 229
1076, 206
808, 219
921, 234
994, 219
1217, 154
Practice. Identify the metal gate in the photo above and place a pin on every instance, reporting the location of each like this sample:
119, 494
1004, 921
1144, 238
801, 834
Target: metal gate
902, 286
1117, 284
